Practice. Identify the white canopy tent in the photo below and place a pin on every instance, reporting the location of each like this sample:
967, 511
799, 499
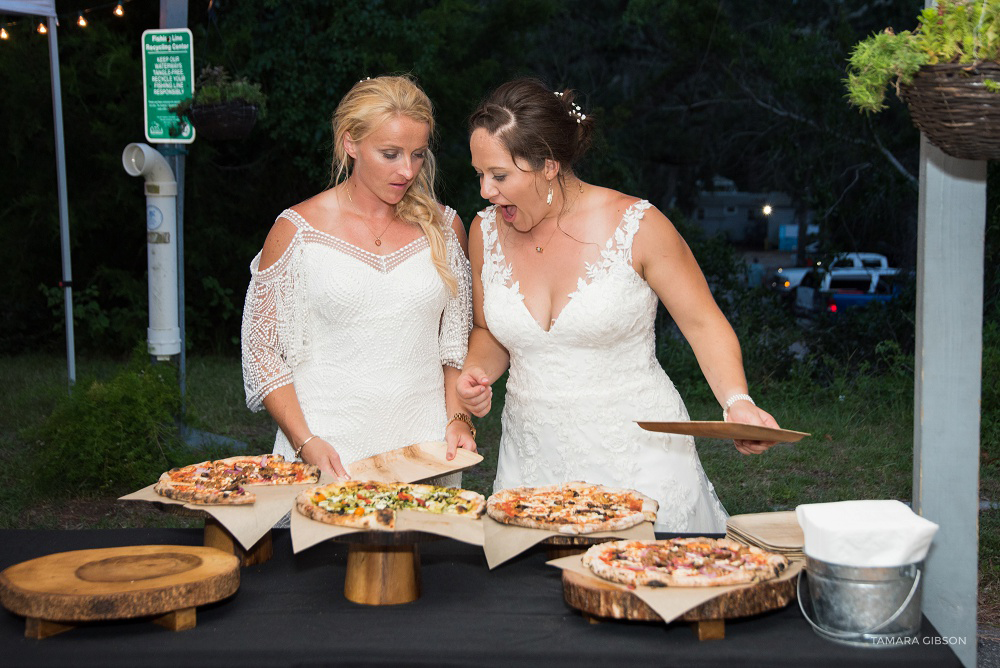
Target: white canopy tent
47, 10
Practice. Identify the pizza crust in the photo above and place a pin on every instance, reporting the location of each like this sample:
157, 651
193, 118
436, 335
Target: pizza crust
683, 562
222, 481
470, 505
545, 508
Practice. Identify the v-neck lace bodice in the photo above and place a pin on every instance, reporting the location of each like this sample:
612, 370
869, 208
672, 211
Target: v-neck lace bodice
362, 337
575, 390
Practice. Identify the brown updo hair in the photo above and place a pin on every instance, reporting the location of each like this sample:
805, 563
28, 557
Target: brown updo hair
535, 124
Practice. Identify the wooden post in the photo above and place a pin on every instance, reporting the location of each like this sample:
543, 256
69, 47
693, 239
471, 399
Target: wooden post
218, 536
382, 574
948, 382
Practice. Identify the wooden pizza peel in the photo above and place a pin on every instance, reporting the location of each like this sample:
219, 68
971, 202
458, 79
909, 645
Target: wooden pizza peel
59, 591
725, 430
707, 608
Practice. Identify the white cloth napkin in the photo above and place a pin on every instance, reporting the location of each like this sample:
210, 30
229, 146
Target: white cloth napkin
867, 534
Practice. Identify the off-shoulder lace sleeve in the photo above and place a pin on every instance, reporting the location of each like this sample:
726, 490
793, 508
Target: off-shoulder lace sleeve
273, 329
456, 321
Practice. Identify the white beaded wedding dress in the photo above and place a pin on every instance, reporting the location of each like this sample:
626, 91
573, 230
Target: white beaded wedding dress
574, 391
362, 336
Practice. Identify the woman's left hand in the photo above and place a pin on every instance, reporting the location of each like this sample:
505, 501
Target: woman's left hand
458, 435
745, 412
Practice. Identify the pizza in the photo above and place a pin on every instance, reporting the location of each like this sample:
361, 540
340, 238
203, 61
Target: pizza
372, 505
572, 508
221, 482
683, 562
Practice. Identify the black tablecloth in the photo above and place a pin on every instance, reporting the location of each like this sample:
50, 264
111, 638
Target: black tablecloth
291, 611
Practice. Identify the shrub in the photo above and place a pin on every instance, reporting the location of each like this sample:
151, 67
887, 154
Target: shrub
114, 436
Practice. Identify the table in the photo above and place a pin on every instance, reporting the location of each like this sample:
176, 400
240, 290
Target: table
467, 616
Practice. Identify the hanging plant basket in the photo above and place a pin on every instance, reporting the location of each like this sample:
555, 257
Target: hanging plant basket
229, 120
952, 106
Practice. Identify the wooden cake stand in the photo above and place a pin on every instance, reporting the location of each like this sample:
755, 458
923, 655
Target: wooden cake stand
166, 582
383, 567
218, 536
557, 547
599, 599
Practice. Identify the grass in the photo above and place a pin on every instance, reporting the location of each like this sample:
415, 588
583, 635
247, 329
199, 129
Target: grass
861, 447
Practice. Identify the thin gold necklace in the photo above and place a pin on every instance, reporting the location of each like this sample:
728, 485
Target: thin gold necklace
378, 237
541, 249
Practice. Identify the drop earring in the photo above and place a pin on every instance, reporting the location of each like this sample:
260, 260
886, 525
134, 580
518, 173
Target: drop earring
548, 200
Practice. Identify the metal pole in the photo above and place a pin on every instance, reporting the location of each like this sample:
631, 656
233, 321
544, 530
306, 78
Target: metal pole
67, 267
174, 14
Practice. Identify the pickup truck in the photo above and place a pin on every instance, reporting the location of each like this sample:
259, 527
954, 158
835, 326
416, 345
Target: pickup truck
786, 279
843, 290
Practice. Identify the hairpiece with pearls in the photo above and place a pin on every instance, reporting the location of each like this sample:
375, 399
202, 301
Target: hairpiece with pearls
575, 111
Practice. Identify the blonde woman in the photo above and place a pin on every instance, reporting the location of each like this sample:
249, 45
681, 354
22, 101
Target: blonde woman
357, 317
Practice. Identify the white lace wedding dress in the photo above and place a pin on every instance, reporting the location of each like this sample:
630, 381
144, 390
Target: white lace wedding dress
575, 390
362, 336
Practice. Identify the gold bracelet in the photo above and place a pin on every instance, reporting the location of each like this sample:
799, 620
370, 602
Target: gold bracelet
463, 417
298, 450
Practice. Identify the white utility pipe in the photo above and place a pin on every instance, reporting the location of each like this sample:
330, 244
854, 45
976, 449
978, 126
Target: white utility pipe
164, 334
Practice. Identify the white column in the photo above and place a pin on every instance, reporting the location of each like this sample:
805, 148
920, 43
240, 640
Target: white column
950, 247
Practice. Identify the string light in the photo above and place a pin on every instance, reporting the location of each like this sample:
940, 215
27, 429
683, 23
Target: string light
81, 20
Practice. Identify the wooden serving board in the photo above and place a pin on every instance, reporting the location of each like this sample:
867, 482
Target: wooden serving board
778, 530
725, 430
600, 599
164, 581
412, 462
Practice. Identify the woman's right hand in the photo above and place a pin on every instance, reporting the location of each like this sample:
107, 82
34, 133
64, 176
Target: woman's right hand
475, 391
320, 453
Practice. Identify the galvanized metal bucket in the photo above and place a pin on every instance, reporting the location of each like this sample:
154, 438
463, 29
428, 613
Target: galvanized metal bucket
862, 607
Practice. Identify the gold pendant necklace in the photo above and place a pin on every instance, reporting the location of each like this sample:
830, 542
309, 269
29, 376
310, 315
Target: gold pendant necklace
541, 249
378, 237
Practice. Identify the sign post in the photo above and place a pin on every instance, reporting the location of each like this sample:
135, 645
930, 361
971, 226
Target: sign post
167, 80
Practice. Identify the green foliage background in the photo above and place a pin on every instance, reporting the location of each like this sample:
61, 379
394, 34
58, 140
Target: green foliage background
683, 90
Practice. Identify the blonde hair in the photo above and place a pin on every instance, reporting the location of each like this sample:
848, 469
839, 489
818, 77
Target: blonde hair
366, 106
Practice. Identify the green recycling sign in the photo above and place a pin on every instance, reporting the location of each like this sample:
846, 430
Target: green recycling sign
167, 80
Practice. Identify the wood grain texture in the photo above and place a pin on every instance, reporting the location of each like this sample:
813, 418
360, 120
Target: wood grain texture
605, 599
382, 574
118, 582
778, 530
218, 537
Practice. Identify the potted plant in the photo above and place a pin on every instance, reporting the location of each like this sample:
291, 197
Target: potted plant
223, 107
947, 70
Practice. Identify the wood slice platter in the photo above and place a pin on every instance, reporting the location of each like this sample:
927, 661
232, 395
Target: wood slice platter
601, 599
164, 581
